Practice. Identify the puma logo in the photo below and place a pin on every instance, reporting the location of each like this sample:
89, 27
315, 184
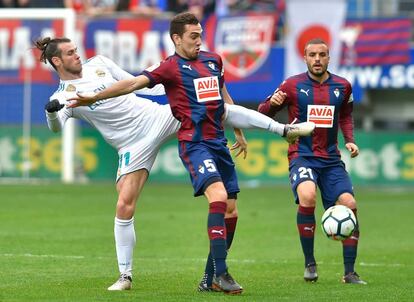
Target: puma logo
221, 232
187, 66
305, 91
308, 229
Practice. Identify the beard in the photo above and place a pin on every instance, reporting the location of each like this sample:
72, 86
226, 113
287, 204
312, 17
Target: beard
318, 73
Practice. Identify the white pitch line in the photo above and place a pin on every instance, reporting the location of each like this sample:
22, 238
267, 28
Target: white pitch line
43, 256
240, 261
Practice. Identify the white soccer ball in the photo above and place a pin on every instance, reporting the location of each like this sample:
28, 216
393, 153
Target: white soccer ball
338, 222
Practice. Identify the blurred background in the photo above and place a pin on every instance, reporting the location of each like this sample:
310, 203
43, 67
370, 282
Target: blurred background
261, 43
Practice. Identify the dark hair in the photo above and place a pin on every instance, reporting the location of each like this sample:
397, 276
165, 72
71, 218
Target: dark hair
178, 23
49, 48
315, 41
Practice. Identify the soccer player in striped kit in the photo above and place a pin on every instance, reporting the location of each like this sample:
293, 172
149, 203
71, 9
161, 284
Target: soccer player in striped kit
194, 84
326, 99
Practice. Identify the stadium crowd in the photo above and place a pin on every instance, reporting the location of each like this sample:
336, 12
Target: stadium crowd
150, 8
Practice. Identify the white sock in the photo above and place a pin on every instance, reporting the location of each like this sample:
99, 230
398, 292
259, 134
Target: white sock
125, 242
243, 118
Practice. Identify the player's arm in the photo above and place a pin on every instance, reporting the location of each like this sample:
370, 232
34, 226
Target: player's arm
346, 123
241, 142
276, 101
119, 74
55, 121
119, 88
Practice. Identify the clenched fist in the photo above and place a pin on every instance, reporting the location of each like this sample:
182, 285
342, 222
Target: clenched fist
53, 106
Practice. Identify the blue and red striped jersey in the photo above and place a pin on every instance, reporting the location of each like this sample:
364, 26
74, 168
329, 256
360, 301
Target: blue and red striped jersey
329, 105
193, 89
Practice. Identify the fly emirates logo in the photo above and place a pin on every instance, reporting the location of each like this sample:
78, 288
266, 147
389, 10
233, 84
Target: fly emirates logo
321, 115
207, 89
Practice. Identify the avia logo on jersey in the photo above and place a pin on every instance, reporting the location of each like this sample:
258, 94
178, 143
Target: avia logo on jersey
207, 89
321, 115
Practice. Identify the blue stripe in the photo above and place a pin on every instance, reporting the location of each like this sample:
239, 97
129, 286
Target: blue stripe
383, 42
382, 54
380, 30
305, 143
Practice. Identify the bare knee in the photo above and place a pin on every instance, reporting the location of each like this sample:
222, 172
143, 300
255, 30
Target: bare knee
125, 208
216, 192
347, 199
307, 194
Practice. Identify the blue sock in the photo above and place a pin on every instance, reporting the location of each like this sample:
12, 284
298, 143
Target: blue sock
306, 227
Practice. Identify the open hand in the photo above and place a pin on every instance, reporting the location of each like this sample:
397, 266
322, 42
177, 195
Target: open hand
82, 99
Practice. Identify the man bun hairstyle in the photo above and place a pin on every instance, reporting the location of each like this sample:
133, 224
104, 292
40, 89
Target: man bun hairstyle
49, 48
178, 23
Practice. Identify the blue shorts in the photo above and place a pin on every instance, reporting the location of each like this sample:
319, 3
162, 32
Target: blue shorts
331, 178
209, 162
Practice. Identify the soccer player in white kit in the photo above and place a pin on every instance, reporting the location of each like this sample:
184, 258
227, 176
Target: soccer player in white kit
134, 126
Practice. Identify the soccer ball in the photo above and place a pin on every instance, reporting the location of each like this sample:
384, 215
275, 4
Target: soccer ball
338, 222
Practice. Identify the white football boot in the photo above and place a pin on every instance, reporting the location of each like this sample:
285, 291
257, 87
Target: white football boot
123, 283
294, 131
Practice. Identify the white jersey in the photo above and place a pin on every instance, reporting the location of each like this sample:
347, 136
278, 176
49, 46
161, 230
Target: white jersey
134, 126
121, 120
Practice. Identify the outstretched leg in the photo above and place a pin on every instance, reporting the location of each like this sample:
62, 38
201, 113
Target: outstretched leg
243, 118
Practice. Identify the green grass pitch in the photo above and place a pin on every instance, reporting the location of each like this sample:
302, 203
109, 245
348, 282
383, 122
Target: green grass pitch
56, 244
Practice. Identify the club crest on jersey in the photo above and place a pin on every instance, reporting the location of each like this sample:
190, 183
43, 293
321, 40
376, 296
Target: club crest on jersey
336, 92
244, 43
70, 88
211, 65
100, 73
321, 115
207, 89
201, 169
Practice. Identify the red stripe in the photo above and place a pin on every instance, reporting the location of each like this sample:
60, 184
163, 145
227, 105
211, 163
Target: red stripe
382, 48
383, 24
350, 242
230, 224
387, 59
383, 37
320, 135
308, 211
293, 109
209, 94
306, 230
217, 207
186, 159
217, 232
321, 121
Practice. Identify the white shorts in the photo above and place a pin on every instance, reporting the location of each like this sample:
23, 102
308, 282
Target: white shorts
159, 127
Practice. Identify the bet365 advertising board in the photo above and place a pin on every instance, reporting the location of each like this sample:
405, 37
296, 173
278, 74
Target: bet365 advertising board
385, 158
